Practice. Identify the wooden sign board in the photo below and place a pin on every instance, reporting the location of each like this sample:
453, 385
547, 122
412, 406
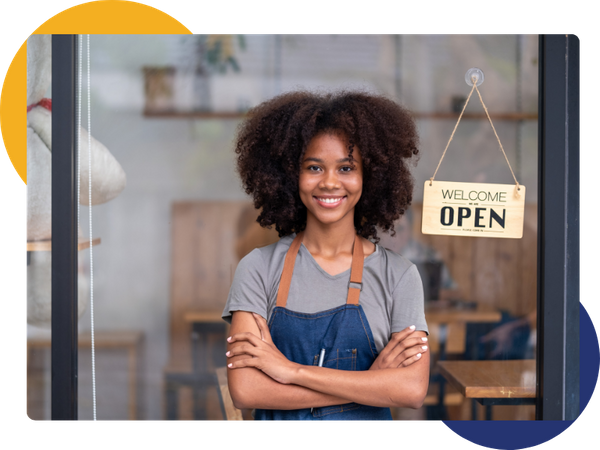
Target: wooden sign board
473, 209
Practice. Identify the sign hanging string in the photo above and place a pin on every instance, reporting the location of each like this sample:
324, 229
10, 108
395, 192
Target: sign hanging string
474, 80
89, 136
89, 142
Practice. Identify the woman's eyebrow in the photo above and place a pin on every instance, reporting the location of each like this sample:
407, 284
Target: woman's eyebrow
313, 159
321, 161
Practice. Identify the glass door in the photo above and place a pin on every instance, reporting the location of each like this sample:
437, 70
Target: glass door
174, 221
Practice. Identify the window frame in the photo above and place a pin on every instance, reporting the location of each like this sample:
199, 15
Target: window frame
557, 384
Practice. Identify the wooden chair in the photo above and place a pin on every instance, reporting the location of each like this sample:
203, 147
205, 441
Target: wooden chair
230, 412
203, 260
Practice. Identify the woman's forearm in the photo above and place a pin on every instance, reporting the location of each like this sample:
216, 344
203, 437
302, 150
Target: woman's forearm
250, 388
402, 387
317, 387
261, 377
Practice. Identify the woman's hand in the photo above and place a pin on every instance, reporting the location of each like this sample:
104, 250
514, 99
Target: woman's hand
265, 356
402, 350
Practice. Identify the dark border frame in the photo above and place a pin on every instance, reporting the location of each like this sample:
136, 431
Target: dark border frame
558, 229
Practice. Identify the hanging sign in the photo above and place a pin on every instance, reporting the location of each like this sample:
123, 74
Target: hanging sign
473, 209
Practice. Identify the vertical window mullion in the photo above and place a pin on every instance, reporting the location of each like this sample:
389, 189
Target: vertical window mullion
64, 229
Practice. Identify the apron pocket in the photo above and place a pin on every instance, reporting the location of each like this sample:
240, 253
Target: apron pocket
328, 410
340, 359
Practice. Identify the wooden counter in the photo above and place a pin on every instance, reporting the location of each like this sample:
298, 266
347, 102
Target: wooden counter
452, 314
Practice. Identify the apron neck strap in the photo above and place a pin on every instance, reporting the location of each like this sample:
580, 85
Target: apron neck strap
288, 269
355, 272
358, 259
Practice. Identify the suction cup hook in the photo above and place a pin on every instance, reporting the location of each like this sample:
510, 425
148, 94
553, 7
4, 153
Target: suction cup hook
476, 74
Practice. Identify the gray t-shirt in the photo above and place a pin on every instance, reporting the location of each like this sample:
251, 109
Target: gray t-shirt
391, 297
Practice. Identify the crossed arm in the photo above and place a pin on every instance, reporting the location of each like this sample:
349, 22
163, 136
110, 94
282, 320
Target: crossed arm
260, 376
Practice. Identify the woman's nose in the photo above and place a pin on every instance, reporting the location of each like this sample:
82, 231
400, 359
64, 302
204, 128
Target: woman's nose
331, 180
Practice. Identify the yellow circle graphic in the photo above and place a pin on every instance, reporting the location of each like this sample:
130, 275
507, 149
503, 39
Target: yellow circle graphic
83, 17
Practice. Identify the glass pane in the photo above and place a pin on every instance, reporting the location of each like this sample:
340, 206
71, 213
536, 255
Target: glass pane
480, 292
39, 256
166, 109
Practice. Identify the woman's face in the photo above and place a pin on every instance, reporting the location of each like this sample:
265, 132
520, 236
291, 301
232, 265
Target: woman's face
330, 186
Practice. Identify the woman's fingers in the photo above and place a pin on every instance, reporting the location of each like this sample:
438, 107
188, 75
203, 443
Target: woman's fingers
401, 358
250, 337
411, 360
242, 349
248, 362
263, 327
401, 335
247, 344
402, 349
398, 342
415, 345
409, 356
248, 350
405, 344
395, 340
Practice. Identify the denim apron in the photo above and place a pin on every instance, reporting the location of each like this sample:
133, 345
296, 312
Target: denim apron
343, 332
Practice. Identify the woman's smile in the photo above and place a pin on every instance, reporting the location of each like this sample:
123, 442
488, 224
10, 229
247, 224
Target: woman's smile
328, 201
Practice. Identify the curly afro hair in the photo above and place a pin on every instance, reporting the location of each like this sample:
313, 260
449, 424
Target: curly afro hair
271, 143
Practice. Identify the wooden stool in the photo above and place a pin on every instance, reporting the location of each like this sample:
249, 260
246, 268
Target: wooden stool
205, 354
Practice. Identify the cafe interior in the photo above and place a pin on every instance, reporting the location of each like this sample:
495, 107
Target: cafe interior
167, 238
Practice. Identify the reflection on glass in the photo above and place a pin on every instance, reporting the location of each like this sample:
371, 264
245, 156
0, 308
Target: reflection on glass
39, 256
438, 284
167, 107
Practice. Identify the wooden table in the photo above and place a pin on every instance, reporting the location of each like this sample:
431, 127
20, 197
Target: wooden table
128, 340
510, 382
452, 318
446, 316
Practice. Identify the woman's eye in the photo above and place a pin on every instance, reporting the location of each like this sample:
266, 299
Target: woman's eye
313, 168
346, 169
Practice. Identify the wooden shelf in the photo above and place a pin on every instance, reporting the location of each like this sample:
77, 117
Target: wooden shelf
203, 316
194, 115
514, 116
477, 116
46, 245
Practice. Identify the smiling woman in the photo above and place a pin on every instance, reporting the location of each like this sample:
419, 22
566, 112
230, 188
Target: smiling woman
341, 343
271, 145
330, 183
